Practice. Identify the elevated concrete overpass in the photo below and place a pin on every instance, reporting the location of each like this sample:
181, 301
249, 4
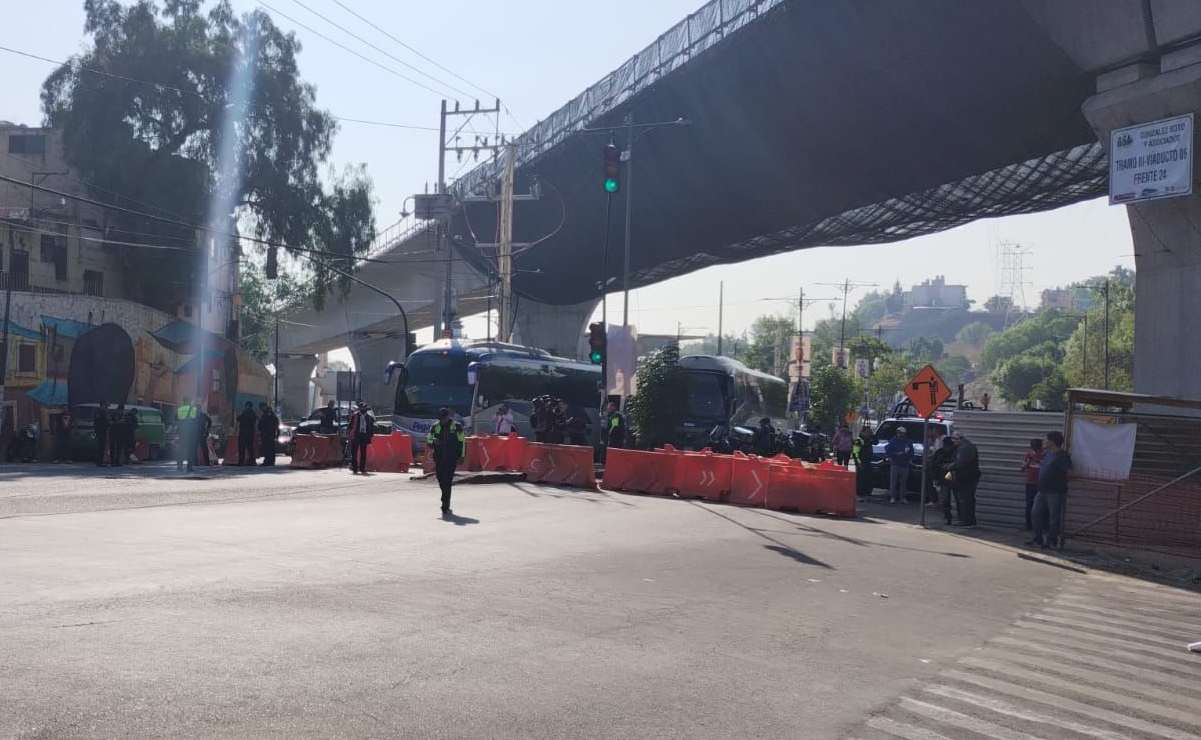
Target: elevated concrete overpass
818, 123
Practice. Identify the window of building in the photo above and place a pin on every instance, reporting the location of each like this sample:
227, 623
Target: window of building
93, 282
26, 143
18, 270
27, 359
54, 250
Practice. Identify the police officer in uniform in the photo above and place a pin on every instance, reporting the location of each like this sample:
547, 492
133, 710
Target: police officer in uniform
614, 431
446, 440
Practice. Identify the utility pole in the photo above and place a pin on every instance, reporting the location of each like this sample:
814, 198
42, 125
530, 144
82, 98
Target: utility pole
1106, 333
721, 300
629, 178
275, 379
846, 286
448, 309
505, 256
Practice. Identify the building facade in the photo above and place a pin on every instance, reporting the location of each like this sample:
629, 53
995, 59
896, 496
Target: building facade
936, 293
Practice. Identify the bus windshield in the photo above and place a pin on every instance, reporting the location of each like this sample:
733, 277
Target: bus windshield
706, 396
434, 380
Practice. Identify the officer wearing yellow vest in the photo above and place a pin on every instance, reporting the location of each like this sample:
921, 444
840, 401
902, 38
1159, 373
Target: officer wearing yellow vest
445, 439
185, 447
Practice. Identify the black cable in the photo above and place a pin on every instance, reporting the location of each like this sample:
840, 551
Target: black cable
354, 35
346, 48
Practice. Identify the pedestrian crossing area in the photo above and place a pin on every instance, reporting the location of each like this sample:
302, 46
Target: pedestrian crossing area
1105, 658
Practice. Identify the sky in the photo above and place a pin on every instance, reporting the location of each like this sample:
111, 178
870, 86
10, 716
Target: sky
538, 54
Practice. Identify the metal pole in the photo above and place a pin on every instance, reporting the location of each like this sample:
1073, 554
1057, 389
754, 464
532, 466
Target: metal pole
8, 299
505, 255
925, 467
625, 269
604, 291
721, 298
842, 333
1106, 333
276, 380
1085, 383
447, 310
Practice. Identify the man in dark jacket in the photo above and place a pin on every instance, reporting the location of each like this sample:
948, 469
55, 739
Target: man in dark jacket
204, 425
131, 433
765, 438
940, 464
965, 476
360, 430
117, 432
446, 440
247, 423
327, 419
1052, 492
268, 431
100, 425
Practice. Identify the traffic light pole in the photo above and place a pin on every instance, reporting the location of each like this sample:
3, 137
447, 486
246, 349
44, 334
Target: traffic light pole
604, 390
625, 264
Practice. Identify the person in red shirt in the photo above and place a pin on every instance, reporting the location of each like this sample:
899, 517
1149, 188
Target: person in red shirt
1030, 466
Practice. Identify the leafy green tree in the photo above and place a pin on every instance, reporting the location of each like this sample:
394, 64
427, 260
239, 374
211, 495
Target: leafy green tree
926, 349
834, 393
158, 145
768, 344
999, 304
954, 369
1016, 377
1045, 326
1121, 343
975, 333
871, 308
886, 381
657, 409
261, 300
868, 347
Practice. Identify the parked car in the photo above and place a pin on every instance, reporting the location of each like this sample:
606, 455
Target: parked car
151, 430
913, 428
284, 443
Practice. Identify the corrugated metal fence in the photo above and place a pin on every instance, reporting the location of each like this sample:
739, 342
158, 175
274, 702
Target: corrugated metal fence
1002, 440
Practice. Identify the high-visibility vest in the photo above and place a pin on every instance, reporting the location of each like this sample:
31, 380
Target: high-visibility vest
185, 412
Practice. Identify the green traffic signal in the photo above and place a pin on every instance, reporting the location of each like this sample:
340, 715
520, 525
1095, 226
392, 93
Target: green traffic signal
611, 185
595, 357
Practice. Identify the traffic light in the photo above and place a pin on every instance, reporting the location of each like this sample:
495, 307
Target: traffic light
612, 168
596, 343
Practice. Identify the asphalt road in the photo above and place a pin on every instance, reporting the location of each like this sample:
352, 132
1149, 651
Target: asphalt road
314, 603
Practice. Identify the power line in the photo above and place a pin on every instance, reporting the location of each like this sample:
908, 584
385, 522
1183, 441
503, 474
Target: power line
346, 48
415, 51
391, 56
164, 86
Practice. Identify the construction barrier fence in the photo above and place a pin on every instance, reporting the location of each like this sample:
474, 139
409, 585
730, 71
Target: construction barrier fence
390, 453
317, 451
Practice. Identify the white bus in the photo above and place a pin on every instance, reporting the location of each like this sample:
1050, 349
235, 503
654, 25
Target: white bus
473, 379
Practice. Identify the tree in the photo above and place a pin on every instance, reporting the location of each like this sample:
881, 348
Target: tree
657, 409
1048, 325
834, 393
999, 304
871, 308
926, 349
954, 369
975, 333
888, 379
1121, 343
261, 300
1017, 376
768, 345
895, 300
159, 145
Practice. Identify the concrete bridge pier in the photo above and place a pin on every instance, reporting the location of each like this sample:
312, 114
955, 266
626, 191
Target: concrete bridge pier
371, 355
1167, 232
295, 372
556, 329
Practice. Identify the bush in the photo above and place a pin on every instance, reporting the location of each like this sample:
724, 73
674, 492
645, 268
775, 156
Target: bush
657, 409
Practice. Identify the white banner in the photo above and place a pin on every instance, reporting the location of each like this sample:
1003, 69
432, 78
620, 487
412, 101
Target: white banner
1151, 160
1102, 451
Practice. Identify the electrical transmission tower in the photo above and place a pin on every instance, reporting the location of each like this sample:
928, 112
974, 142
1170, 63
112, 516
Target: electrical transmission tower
1011, 260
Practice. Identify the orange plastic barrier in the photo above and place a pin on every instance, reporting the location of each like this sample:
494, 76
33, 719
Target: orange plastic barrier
568, 465
231, 450
704, 475
502, 452
814, 489
749, 478
427, 460
639, 471
390, 453
472, 453
317, 451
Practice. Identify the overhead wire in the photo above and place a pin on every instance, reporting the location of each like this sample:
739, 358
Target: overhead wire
346, 48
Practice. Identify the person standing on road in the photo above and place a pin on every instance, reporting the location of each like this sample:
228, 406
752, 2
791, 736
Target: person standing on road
185, 445
1052, 492
62, 437
502, 423
328, 419
842, 444
861, 453
445, 438
940, 465
1030, 466
100, 425
765, 438
268, 431
117, 432
899, 452
613, 432
964, 472
204, 425
361, 430
247, 423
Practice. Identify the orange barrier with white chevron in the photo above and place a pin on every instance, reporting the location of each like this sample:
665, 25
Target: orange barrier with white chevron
317, 451
567, 465
703, 474
390, 453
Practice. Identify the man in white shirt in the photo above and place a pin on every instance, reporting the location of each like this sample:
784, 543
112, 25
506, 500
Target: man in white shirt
503, 421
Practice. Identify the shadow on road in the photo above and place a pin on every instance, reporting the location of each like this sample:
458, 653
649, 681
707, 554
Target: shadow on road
158, 469
818, 531
460, 521
776, 546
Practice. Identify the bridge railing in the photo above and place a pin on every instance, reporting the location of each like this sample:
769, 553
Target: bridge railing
674, 48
